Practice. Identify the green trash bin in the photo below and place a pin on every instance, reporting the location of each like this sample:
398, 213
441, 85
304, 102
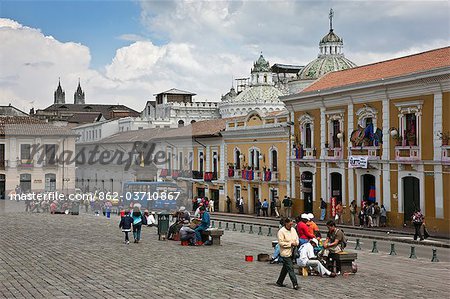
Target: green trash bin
163, 224
75, 208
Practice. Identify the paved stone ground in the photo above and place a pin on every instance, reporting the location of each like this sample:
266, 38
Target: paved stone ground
64, 256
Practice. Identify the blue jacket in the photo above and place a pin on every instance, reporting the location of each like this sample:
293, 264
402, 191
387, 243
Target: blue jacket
205, 220
125, 222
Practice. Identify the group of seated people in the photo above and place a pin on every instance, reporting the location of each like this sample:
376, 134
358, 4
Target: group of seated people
312, 247
188, 229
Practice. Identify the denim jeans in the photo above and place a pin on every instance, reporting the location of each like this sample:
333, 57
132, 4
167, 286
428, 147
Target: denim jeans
322, 214
137, 231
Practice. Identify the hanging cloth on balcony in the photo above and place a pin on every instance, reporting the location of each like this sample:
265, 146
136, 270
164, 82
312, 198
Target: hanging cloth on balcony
372, 194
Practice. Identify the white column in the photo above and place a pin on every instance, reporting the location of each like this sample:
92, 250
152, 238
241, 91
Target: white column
223, 159
322, 132
290, 167
207, 156
438, 182
323, 168
351, 189
386, 172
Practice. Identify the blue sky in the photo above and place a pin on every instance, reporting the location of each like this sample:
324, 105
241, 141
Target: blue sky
126, 51
96, 24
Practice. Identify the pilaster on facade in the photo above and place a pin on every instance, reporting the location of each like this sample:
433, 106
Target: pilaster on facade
437, 125
208, 159
322, 132
386, 133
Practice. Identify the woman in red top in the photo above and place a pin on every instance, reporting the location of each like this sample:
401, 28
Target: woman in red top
303, 232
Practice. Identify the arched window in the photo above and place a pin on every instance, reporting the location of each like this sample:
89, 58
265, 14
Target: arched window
237, 159
307, 131
274, 160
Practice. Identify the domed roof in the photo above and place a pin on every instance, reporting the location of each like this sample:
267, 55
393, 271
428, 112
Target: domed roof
324, 64
331, 57
331, 37
259, 93
261, 65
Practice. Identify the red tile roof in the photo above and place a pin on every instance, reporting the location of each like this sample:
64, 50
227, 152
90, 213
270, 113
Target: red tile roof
397, 67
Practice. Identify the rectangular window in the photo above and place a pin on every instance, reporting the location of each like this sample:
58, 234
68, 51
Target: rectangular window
200, 162
308, 143
411, 129
25, 151
274, 160
169, 163
50, 154
252, 158
2, 158
180, 160
336, 130
257, 159
215, 162
237, 191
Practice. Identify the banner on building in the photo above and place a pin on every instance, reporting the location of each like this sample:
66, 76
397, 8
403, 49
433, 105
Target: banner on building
358, 161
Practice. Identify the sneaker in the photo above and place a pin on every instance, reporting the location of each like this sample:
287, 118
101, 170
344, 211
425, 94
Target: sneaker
295, 286
128, 242
332, 274
281, 285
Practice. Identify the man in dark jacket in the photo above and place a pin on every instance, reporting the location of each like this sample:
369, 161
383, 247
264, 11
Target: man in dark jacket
125, 225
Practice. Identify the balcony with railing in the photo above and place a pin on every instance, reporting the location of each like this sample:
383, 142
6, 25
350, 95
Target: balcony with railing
164, 173
210, 176
303, 153
197, 175
372, 152
175, 174
185, 174
25, 163
445, 154
50, 164
334, 153
407, 153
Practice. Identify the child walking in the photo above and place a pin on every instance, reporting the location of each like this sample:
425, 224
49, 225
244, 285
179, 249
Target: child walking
125, 225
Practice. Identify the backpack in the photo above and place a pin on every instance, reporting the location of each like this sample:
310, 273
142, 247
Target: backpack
344, 239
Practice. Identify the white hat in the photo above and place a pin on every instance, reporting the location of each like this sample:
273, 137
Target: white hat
182, 209
304, 216
310, 216
315, 241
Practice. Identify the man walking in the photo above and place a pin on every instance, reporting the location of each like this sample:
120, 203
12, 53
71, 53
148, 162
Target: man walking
323, 209
287, 203
241, 205
265, 208
287, 239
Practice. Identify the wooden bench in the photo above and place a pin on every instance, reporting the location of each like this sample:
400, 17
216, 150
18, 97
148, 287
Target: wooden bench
215, 235
342, 261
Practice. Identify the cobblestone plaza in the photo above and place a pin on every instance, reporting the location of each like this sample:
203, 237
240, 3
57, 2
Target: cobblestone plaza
63, 256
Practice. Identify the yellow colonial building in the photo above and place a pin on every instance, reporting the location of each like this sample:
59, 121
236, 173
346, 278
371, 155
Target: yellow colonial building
256, 148
377, 132
194, 159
